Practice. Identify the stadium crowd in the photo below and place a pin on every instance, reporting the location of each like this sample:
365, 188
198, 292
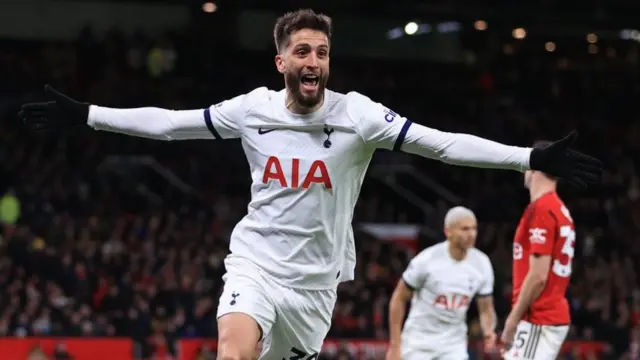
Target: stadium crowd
87, 251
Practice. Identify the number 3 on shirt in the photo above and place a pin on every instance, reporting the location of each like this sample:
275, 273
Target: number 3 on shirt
569, 236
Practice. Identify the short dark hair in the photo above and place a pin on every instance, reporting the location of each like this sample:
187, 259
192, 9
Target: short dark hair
293, 21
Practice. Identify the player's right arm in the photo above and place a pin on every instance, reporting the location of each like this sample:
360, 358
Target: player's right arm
412, 279
542, 230
397, 310
219, 121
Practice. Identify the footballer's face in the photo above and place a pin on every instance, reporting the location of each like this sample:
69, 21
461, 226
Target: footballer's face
305, 65
463, 233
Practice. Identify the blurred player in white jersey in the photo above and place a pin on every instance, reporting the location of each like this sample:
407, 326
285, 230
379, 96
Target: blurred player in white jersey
308, 150
441, 281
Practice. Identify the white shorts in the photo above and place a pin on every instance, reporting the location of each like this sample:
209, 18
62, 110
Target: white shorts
457, 352
294, 322
537, 342
442, 342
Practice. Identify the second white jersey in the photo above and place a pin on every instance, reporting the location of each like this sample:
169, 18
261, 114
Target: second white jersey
443, 291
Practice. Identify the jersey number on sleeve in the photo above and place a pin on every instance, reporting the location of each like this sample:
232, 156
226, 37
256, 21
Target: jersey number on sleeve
568, 235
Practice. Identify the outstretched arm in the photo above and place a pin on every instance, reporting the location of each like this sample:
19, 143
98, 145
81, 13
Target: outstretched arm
382, 128
221, 121
163, 124
463, 149
216, 122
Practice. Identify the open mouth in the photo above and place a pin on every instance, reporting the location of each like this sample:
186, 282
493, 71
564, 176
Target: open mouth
309, 82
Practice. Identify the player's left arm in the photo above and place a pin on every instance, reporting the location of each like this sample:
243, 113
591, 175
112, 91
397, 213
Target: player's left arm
383, 128
484, 301
542, 237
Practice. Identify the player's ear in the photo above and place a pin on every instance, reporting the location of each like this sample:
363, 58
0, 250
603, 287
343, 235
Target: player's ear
280, 63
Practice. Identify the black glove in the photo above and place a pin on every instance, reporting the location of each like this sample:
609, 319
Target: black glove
60, 113
556, 159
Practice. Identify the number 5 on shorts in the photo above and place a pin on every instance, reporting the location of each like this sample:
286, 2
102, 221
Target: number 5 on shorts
521, 338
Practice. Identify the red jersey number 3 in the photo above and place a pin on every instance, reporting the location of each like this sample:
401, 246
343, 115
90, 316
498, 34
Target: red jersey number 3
568, 238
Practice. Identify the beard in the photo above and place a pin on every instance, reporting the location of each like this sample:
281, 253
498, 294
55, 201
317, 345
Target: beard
293, 82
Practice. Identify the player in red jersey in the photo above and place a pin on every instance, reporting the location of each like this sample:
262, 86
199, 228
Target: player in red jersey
543, 250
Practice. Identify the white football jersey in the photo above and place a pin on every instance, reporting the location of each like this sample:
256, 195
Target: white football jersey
307, 171
443, 289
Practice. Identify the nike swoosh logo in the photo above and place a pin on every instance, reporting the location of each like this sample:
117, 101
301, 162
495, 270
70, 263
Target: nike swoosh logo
262, 132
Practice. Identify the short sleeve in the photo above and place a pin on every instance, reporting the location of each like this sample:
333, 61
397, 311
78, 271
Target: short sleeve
223, 119
486, 288
415, 275
376, 124
542, 231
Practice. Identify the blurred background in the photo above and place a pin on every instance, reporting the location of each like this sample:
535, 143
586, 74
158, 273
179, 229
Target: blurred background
112, 247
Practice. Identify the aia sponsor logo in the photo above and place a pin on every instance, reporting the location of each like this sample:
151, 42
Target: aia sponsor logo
452, 302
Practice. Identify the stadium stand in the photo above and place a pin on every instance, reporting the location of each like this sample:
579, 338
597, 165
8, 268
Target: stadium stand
101, 240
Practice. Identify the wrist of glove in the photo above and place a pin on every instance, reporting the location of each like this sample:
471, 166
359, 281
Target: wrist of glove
538, 160
558, 161
59, 113
72, 112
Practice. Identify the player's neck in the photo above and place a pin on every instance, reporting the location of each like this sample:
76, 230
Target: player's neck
457, 254
540, 191
296, 108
